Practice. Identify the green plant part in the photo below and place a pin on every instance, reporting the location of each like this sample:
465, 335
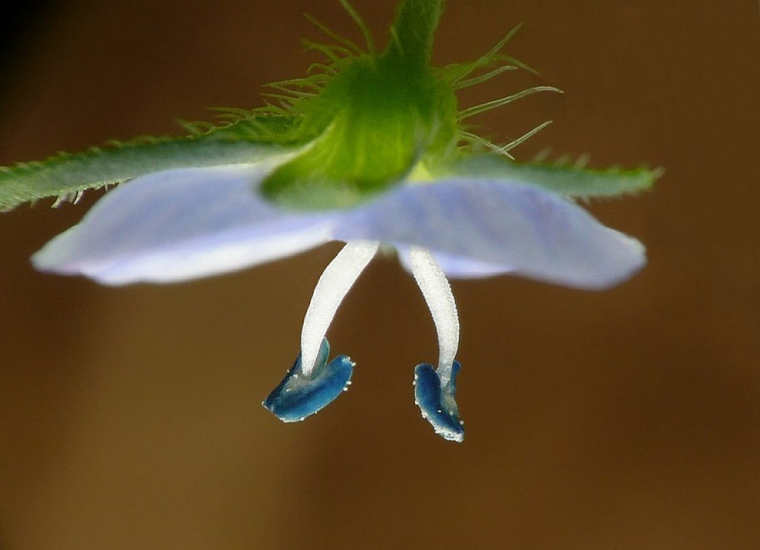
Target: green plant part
360, 123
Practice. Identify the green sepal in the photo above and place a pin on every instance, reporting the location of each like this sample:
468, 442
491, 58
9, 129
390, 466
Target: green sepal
67, 175
572, 180
413, 30
374, 120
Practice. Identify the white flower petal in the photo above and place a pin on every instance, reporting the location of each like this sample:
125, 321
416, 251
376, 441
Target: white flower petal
182, 224
538, 233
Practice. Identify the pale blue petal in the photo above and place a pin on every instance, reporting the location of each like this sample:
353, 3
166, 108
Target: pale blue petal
457, 267
182, 224
537, 233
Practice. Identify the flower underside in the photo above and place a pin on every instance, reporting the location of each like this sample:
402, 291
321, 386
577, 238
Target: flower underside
372, 120
372, 149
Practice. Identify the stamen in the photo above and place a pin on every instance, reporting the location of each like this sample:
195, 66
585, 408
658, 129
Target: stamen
299, 396
332, 287
435, 390
437, 293
437, 402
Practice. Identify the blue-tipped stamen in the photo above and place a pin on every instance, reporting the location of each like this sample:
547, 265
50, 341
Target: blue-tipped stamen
300, 395
435, 389
437, 401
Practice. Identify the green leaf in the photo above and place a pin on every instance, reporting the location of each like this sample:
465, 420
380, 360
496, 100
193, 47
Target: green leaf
572, 180
67, 175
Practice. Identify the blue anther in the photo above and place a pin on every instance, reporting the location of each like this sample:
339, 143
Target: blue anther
437, 403
299, 395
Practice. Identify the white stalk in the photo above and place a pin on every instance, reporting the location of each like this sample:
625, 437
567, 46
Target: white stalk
437, 293
335, 282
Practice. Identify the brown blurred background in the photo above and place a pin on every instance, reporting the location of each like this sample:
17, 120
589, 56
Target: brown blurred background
629, 419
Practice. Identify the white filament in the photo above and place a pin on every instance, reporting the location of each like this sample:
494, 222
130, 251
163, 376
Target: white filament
335, 282
437, 293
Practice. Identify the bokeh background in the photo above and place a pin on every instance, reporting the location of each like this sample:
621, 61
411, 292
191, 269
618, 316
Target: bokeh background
627, 419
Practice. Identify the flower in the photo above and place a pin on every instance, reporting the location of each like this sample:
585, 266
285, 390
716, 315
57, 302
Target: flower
370, 158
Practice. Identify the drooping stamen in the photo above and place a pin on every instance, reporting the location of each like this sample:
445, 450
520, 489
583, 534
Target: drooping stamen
437, 293
299, 396
313, 382
437, 402
332, 287
435, 390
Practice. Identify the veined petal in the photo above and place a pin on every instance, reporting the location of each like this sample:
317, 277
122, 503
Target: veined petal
182, 224
457, 267
538, 233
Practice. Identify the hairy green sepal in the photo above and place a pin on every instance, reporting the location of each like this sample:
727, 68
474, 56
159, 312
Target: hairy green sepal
413, 31
572, 180
358, 125
376, 118
381, 119
67, 175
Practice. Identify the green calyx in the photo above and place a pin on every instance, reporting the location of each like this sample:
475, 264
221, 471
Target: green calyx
413, 31
375, 118
355, 126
